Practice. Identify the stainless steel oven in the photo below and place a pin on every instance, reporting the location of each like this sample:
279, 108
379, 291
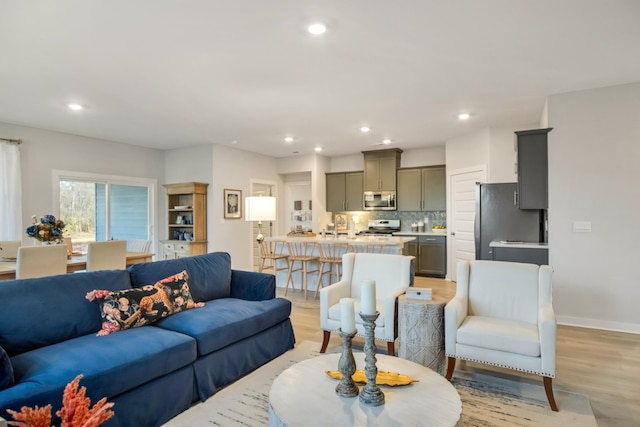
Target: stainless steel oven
379, 201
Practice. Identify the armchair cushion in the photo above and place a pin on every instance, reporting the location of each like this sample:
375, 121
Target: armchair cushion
500, 334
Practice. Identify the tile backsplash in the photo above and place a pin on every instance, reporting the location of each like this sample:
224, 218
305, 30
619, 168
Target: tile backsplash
406, 218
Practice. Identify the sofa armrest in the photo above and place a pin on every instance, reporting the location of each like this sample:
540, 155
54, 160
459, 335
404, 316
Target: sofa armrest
455, 312
252, 286
547, 329
331, 295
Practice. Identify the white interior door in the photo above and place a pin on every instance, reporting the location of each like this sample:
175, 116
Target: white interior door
461, 216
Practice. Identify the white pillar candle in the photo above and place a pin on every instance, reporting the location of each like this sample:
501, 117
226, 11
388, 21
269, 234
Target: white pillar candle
347, 315
368, 297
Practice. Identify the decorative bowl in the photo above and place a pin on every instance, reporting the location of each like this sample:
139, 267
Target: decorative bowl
439, 230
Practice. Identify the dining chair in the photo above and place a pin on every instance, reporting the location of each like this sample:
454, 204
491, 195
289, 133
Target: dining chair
39, 261
9, 249
108, 255
330, 254
138, 245
302, 253
69, 243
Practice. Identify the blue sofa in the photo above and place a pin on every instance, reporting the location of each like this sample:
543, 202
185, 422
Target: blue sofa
152, 373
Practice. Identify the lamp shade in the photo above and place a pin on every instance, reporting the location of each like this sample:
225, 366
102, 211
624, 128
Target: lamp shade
260, 208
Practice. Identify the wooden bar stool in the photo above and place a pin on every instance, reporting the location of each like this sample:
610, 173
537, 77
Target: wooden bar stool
304, 253
330, 253
273, 251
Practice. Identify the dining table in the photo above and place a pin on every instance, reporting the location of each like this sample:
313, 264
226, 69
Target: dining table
75, 263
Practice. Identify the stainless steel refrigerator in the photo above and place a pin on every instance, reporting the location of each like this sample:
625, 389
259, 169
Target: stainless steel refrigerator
499, 218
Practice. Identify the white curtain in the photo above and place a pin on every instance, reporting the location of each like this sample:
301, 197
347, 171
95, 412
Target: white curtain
10, 193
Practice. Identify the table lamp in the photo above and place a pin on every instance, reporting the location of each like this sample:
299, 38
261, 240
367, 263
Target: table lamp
260, 208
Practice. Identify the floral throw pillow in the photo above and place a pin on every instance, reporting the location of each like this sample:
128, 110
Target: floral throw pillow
135, 307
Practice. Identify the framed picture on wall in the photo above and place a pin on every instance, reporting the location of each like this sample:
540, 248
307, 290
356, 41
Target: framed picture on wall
232, 204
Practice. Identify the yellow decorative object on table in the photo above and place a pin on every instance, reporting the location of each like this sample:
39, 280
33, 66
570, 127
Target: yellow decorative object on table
383, 378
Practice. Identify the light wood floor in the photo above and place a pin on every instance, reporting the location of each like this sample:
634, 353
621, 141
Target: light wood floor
601, 364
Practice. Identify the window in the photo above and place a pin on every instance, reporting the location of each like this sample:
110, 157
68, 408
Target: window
98, 208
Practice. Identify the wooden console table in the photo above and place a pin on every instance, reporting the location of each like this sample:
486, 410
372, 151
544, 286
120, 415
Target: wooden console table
421, 331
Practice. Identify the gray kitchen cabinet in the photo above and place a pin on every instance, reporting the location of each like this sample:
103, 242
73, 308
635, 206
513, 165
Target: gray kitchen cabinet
431, 255
409, 197
344, 191
380, 169
422, 189
533, 169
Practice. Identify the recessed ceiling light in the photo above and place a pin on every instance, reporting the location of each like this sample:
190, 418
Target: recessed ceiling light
386, 141
318, 149
317, 28
464, 116
288, 139
365, 129
75, 107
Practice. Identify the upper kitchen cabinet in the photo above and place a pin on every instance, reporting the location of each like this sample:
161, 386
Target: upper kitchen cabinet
380, 169
422, 189
532, 169
344, 191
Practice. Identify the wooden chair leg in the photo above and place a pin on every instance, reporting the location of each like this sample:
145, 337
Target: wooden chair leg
290, 262
451, 364
391, 348
548, 388
319, 279
325, 341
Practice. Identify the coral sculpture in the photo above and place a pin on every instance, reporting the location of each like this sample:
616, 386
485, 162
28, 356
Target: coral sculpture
76, 410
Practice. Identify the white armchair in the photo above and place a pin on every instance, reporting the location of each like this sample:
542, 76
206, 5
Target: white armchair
502, 315
392, 274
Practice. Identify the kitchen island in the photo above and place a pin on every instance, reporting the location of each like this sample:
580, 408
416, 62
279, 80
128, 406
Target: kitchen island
387, 245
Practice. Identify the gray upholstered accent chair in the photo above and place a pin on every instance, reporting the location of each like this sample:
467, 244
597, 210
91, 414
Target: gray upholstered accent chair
502, 315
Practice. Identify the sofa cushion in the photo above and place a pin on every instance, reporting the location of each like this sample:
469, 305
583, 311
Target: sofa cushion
209, 274
499, 334
226, 321
131, 308
47, 310
111, 365
6, 370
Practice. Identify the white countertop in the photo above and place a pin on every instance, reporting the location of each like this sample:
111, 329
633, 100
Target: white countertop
518, 245
418, 233
358, 240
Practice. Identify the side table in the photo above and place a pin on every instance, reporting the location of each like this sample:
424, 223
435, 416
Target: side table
421, 331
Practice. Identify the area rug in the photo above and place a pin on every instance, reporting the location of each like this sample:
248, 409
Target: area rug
486, 400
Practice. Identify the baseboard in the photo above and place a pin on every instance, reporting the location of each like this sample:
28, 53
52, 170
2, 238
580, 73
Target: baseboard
583, 322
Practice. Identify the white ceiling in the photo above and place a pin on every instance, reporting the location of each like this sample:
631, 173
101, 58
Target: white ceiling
245, 73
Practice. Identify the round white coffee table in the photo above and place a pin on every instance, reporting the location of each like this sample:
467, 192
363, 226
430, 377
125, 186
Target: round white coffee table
304, 395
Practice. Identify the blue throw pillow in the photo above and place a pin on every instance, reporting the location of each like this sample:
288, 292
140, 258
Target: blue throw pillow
209, 274
6, 370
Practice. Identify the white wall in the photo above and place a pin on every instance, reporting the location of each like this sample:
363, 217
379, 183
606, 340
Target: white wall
594, 175
423, 157
235, 169
468, 150
502, 155
346, 163
43, 151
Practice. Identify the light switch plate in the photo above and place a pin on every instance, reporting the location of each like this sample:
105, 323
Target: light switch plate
582, 226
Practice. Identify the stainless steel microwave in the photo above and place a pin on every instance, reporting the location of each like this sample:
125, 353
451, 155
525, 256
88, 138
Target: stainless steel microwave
379, 201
